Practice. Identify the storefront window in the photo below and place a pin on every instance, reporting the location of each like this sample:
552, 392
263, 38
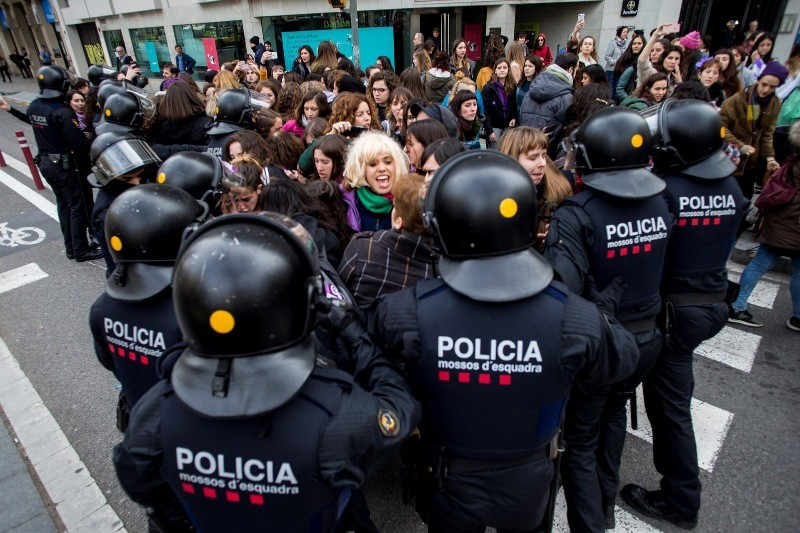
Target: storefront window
150, 49
380, 33
113, 39
217, 42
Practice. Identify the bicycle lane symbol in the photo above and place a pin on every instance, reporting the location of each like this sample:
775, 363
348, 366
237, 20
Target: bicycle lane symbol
27, 236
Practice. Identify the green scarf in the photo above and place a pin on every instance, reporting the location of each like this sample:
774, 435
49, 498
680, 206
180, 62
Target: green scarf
374, 202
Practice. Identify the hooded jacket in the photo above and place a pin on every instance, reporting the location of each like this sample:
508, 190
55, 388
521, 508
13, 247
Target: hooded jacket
543, 52
548, 98
437, 84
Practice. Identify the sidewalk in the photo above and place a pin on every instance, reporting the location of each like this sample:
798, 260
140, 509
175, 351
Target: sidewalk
21, 505
24, 90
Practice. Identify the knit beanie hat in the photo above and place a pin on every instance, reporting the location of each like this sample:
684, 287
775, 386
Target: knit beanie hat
172, 81
351, 84
692, 41
774, 68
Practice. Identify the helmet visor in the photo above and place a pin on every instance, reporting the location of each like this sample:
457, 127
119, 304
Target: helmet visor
146, 106
123, 158
651, 115
569, 162
258, 101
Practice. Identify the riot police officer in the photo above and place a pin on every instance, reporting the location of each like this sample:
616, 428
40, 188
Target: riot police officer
119, 160
96, 74
235, 111
492, 349
55, 133
618, 226
245, 429
708, 206
133, 322
125, 111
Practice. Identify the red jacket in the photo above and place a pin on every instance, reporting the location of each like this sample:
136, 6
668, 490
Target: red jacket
544, 53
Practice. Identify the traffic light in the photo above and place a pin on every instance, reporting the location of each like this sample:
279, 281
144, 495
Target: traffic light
338, 4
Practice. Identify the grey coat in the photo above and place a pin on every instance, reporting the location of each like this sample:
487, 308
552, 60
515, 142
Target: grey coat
547, 99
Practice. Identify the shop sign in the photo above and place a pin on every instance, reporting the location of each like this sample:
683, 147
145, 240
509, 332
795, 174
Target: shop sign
630, 8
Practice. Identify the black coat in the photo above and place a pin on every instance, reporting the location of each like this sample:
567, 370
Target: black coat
493, 107
189, 131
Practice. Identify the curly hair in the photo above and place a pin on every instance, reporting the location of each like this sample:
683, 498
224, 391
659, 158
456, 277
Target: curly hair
345, 107
288, 99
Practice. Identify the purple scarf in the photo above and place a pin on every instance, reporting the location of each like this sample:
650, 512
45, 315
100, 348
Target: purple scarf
501, 92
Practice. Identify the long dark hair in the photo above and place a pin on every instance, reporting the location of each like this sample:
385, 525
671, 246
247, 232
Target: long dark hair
538, 63
311, 54
587, 100
322, 105
289, 198
627, 58
729, 77
335, 147
464, 127
764, 36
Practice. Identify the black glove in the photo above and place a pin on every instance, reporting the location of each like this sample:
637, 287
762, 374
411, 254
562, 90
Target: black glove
336, 316
608, 299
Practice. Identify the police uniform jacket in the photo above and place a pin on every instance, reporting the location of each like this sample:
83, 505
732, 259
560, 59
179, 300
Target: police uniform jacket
130, 337
332, 448
707, 216
578, 245
573, 341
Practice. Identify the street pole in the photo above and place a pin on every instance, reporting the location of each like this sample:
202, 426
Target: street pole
354, 29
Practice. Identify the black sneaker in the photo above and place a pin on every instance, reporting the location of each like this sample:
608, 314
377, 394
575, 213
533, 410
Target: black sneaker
744, 318
652, 503
793, 323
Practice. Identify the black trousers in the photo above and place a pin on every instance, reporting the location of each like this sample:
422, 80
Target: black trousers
69, 203
5, 73
594, 432
508, 499
668, 394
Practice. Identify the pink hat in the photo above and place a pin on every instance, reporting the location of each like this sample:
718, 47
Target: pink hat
693, 41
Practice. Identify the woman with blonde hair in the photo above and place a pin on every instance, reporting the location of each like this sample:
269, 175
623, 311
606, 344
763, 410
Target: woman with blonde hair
326, 55
352, 109
422, 62
516, 60
529, 146
223, 81
374, 163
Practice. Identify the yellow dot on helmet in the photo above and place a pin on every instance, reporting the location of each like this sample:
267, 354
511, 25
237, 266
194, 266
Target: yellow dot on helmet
637, 141
216, 111
222, 321
116, 243
108, 112
41, 76
161, 177
508, 208
722, 132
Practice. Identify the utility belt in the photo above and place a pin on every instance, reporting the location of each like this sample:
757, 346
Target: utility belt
59, 160
695, 298
639, 325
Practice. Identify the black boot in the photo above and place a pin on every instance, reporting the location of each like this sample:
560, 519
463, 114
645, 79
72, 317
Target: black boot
652, 503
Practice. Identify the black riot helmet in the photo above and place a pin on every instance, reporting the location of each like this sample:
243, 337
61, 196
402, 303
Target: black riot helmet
235, 110
611, 151
121, 112
97, 73
109, 87
54, 82
481, 207
245, 290
144, 227
690, 138
116, 154
199, 174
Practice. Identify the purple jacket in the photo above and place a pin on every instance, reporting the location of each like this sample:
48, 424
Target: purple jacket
353, 217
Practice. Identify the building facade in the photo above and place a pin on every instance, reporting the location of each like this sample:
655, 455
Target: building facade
215, 31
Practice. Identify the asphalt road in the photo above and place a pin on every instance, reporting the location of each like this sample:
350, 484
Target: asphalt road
747, 383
